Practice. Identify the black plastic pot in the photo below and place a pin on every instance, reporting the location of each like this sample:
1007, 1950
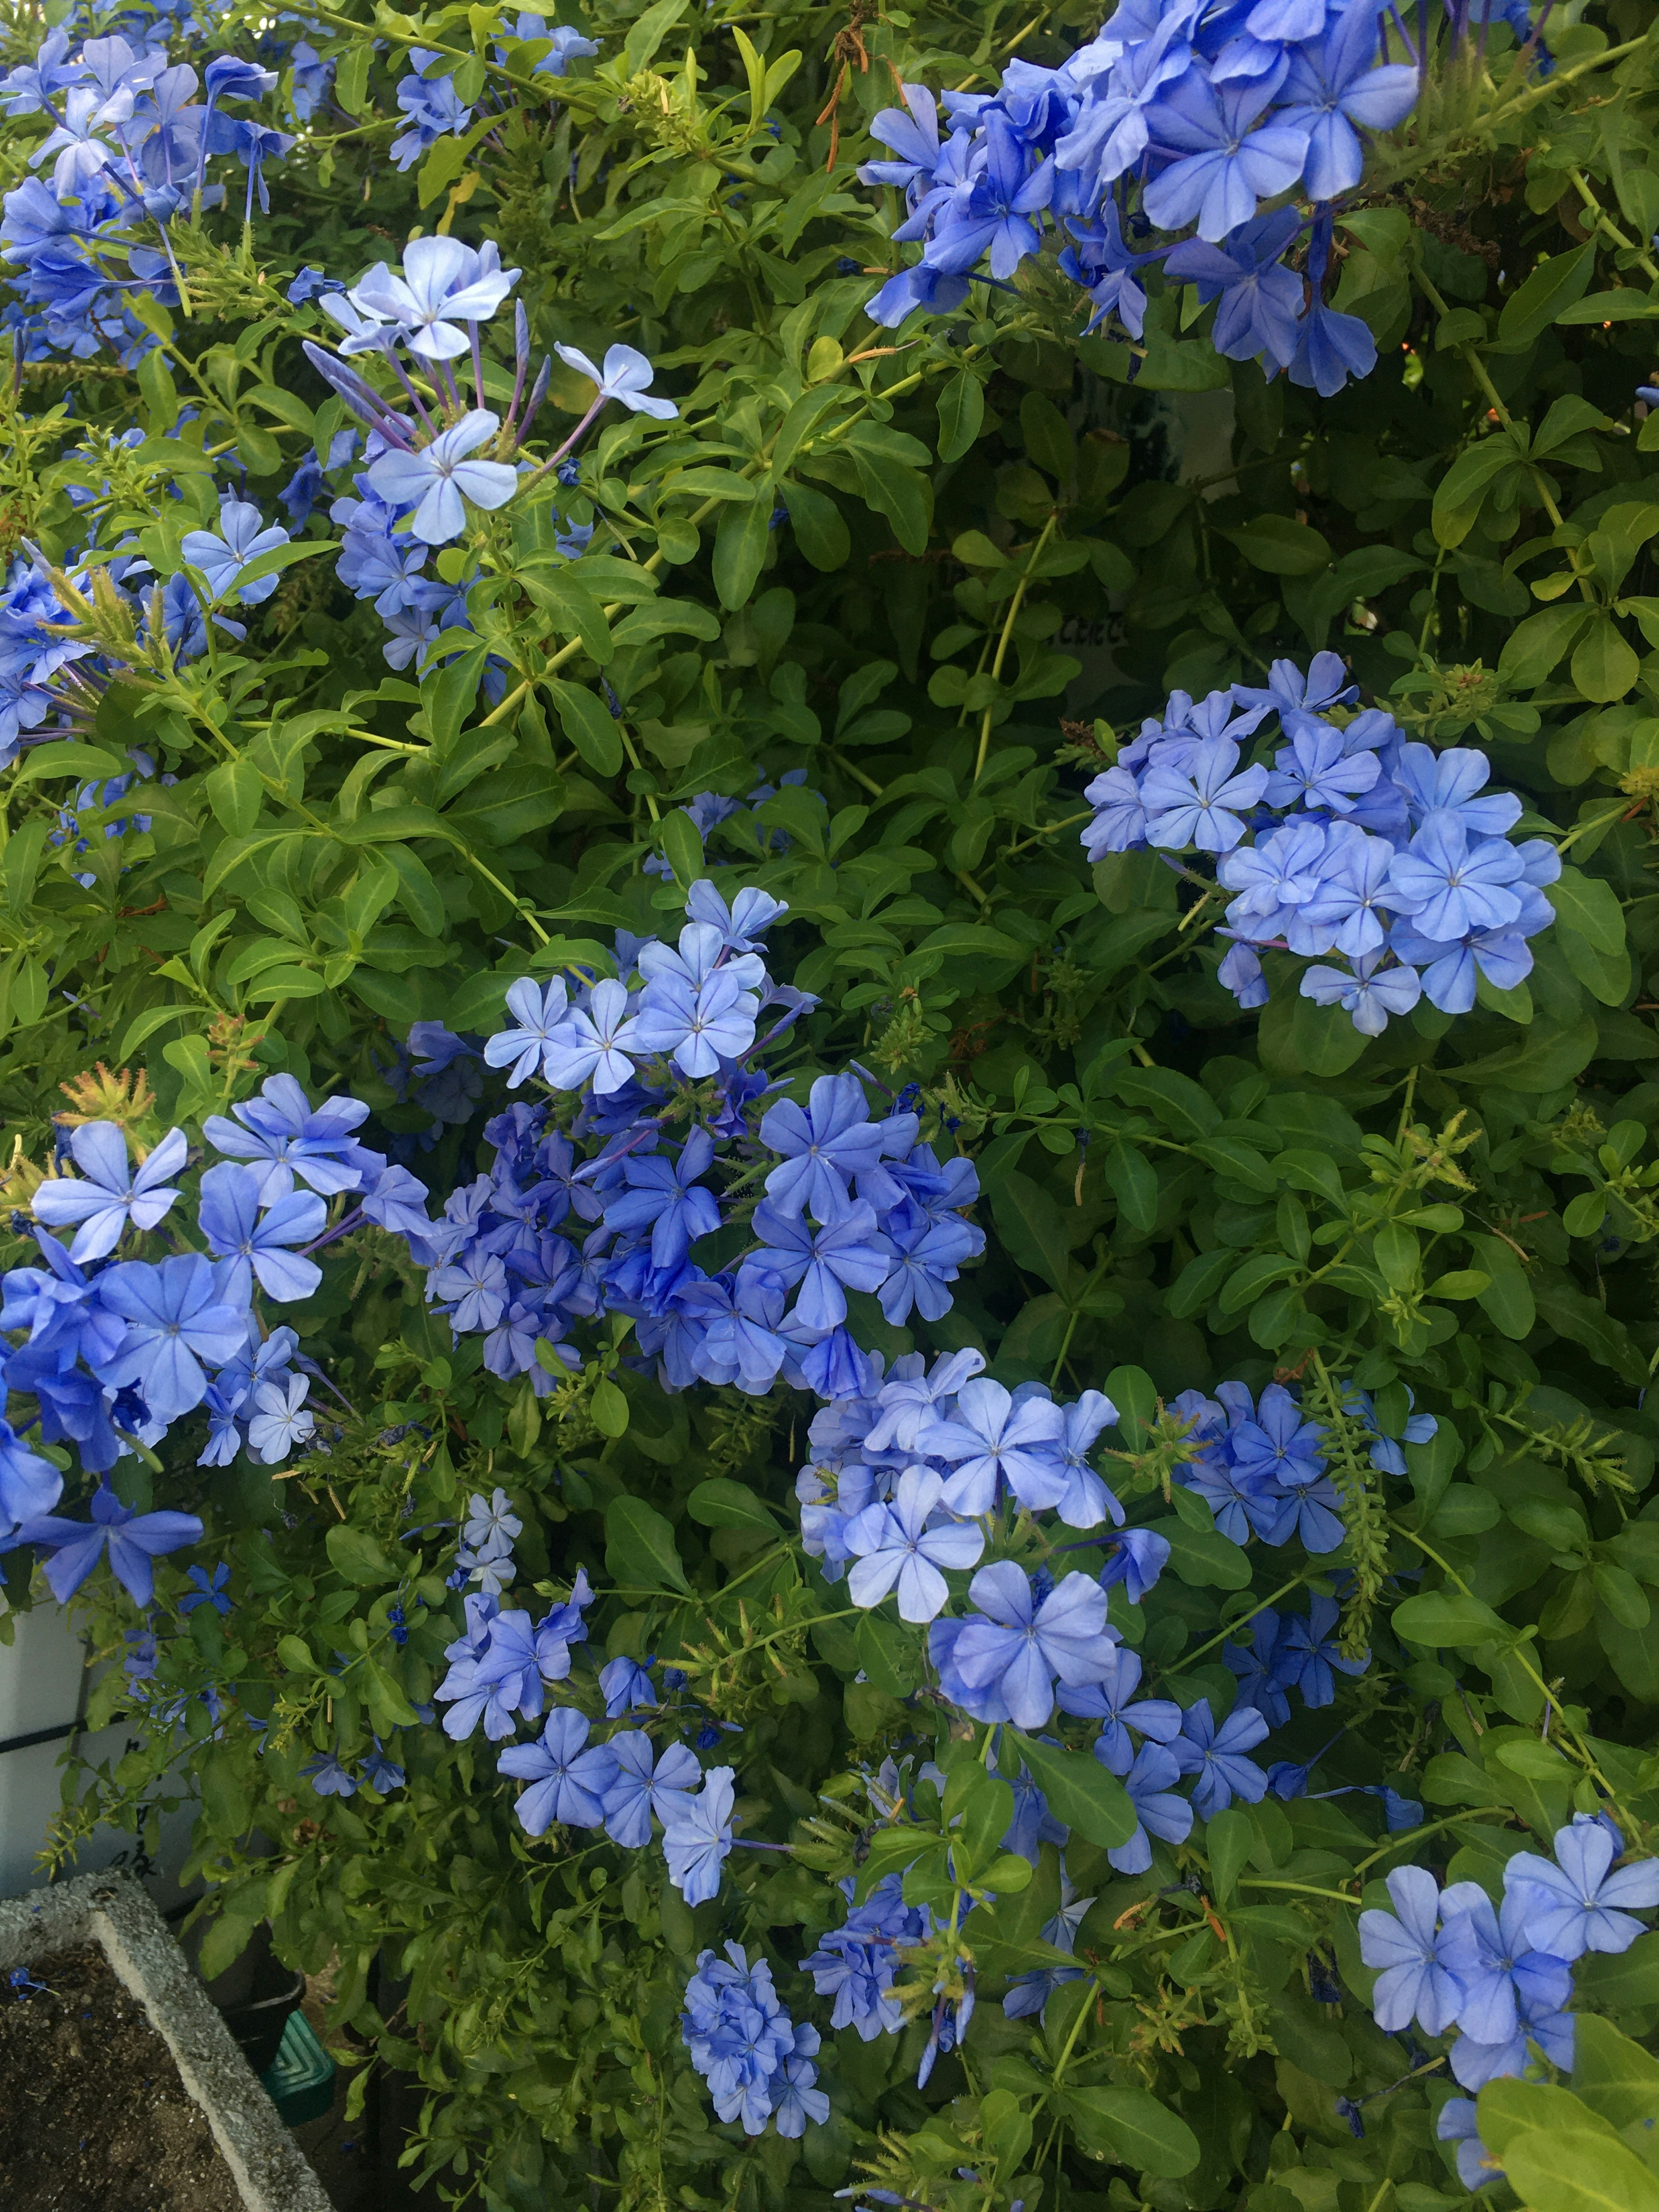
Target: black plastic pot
258, 2022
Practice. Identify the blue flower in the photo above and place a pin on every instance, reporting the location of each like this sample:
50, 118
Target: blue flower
1576, 1904
697, 1836
539, 1013
827, 1262
1000, 1663
434, 479
903, 1546
822, 1145
1449, 887
1138, 1556
1159, 1812
1330, 87
1112, 1699
1200, 803
206, 1592
756, 2061
1226, 158
625, 1685
638, 1789
1477, 2166
281, 1127
30, 1485
626, 376
1260, 298
991, 1441
1307, 1654
248, 1246
666, 1196
444, 284
1416, 1981
1216, 1755
381, 1772
111, 1196
593, 1043
242, 537
858, 1963
568, 1782
1368, 991
1498, 1963
282, 1420
134, 1541
176, 1319
328, 1777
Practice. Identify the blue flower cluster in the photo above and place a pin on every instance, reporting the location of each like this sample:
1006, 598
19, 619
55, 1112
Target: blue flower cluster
433, 450
129, 145
433, 107
1191, 114
658, 1128
858, 1963
758, 2062
114, 1350
1346, 840
1502, 1975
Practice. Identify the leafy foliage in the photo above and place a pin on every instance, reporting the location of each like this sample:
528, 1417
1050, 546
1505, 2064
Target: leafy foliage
857, 625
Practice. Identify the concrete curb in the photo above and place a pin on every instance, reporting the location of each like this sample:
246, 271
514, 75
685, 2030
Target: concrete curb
111, 1911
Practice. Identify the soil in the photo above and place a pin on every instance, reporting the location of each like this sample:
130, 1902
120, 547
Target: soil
93, 2117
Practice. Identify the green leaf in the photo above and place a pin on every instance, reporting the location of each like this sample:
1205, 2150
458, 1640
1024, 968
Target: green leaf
1184, 1107
1132, 2127
67, 757
280, 556
388, 1707
609, 1408
1447, 1619
1133, 1181
892, 1657
355, 1553
1536, 647
961, 414
1229, 1840
1204, 1558
1631, 1978
588, 723
1080, 1792
1553, 286
682, 841
819, 524
741, 537
1032, 1227
296, 1654
1616, 2078
1590, 906
640, 1549
1574, 2170
1604, 667
1279, 545
720, 1503
235, 792
145, 1026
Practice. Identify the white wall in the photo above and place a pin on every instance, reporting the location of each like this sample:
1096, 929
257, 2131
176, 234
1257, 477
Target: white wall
41, 1686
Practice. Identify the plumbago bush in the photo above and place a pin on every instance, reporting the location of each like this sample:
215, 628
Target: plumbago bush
827, 1263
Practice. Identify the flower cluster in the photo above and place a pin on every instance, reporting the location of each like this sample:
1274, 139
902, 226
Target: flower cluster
659, 1126
433, 107
432, 450
1345, 839
129, 147
758, 2062
113, 1351
858, 1963
1502, 1975
1171, 117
